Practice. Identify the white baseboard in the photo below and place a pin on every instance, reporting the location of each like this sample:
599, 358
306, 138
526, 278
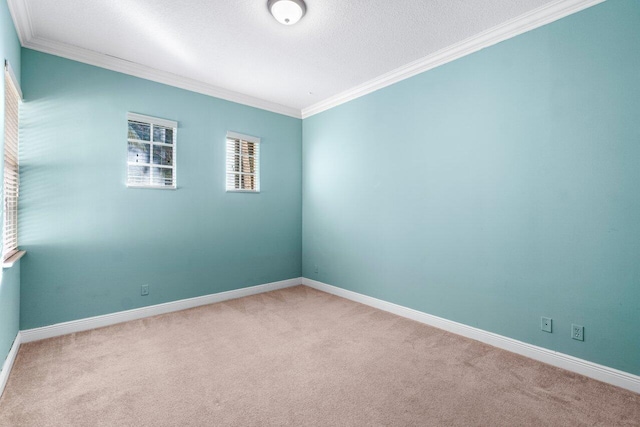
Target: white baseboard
589, 369
8, 363
65, 328
593, 370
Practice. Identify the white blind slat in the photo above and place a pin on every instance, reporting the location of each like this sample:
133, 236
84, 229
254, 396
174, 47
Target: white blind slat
11, 167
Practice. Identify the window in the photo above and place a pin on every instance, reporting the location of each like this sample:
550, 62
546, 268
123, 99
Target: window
12, 98
243, 163
151, 162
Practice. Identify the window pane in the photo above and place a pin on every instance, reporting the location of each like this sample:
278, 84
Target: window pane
162, 176
233, 181
248, 182
162, 134
248, 148
138, 130
248, 164
235, 167
139, 175
162, 155
139, 152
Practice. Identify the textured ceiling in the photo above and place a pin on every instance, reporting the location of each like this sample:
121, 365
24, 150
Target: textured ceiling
239, 46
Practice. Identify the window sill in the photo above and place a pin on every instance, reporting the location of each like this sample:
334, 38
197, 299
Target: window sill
152, 187
8, 263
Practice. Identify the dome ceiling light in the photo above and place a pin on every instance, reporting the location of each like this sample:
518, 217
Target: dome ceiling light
287, 12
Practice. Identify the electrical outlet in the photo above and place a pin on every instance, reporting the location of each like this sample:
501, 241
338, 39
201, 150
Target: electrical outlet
545, 324
144, 290
577, 332
315, 269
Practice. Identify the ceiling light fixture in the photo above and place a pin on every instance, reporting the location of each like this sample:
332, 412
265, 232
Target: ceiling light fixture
287, 12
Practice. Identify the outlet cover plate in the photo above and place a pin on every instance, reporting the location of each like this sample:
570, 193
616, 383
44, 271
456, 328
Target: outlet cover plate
144, 290
577, 332
545, 324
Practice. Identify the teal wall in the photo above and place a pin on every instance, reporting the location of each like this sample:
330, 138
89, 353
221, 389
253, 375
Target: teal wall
496, 189
91, 242
9, 277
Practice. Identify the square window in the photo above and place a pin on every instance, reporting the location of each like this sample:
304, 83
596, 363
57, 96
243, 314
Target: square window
151, 160
243, 163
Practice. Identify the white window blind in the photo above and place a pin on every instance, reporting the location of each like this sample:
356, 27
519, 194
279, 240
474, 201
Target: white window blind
12, 99
243, 163
151, 161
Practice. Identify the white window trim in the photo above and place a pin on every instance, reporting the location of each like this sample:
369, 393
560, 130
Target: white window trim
248, 138
164, 123
155, 120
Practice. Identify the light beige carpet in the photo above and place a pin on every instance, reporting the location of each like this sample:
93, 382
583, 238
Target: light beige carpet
294, 357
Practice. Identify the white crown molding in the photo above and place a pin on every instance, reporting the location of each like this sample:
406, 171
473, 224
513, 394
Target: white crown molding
551, 12
19, 10
521, 24
584, 367
8, 363
88, 323
134, 69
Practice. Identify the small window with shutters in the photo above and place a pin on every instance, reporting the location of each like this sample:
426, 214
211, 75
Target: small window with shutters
151, 160
12, 99
243, 163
